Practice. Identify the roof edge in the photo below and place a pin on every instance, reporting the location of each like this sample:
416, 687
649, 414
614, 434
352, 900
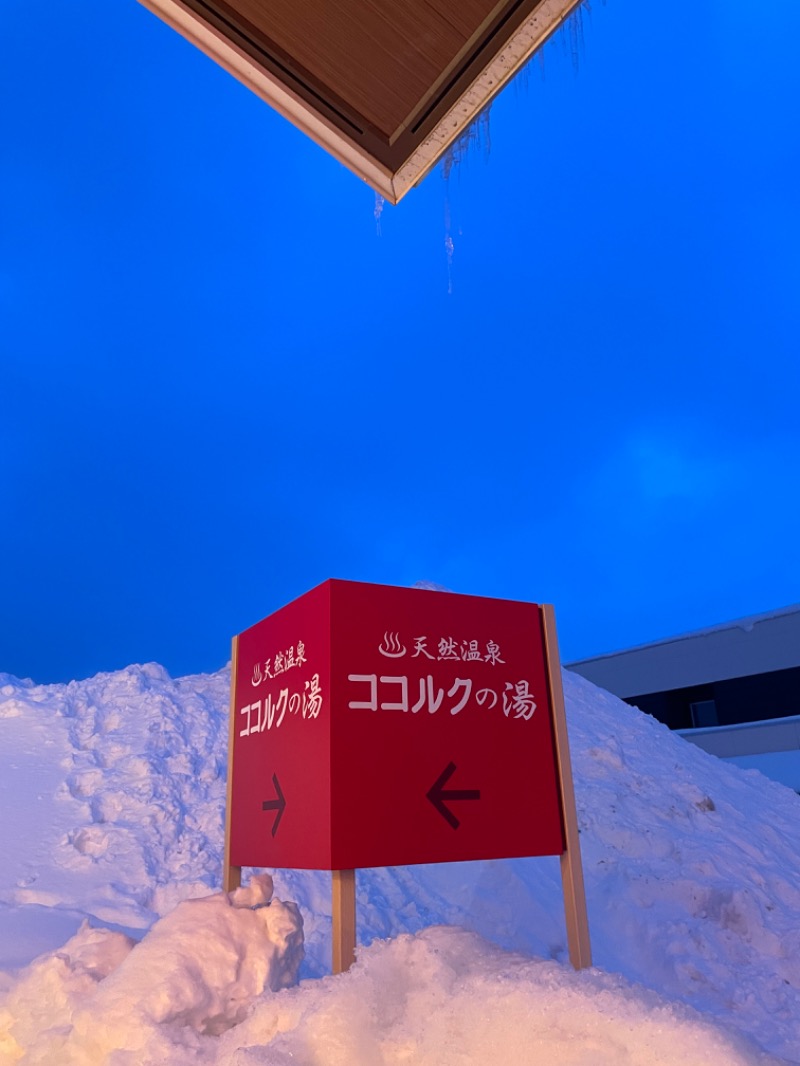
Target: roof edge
391, 185
747, 623
519, 48
291, 106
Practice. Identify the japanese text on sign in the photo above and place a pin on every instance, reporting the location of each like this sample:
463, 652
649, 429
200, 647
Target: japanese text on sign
447, 649
278, 664
265, 713
517, 700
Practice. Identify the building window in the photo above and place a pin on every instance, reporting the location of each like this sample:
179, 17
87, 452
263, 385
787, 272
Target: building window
704, 713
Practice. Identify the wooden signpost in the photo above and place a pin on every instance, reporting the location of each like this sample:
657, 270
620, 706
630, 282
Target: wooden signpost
381, 726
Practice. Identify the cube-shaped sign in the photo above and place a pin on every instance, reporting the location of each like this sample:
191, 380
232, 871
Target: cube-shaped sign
383, 726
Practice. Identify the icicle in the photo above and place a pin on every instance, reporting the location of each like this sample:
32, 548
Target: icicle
449, 160
575, 26
485, 132
447, 165
448, 251
522, 78
476, 135
377, 212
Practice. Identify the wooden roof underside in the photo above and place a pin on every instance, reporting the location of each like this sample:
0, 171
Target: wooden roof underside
384, 86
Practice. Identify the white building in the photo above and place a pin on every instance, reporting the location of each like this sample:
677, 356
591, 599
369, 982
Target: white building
733, 689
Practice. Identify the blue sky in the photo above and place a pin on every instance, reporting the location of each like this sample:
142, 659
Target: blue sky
220, 386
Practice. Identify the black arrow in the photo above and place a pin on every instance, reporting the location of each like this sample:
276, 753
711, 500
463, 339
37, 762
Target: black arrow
275, 805
437, 794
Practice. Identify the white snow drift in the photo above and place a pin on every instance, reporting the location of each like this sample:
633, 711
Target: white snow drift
112, 793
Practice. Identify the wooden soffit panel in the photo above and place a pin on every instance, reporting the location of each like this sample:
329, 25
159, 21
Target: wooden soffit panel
385, 86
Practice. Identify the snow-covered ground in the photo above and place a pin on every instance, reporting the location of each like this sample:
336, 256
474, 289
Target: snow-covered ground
112, 792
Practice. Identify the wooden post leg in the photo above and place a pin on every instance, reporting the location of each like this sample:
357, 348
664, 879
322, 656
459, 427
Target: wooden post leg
231, 875
231, 878
577, 919
344, 920
580, 948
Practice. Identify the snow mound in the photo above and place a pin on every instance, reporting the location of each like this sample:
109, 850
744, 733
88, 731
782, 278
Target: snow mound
113, 790
448, 998
119, 785
442, 998
195, 973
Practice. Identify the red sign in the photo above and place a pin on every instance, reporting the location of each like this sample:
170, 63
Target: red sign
381, 726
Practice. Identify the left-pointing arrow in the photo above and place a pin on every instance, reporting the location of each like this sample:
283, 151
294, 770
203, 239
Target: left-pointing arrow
278, 804
437, 794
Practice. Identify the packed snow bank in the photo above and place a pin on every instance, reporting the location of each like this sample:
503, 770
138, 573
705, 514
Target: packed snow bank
195, 973
113, 793
114, 790
442, 998
448, 998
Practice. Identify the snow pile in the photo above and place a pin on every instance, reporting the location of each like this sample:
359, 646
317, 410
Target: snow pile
196, 973
115, 790
695, 870
443, 998
448, 998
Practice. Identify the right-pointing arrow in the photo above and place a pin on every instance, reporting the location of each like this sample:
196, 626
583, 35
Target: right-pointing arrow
275, 805
437, 794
